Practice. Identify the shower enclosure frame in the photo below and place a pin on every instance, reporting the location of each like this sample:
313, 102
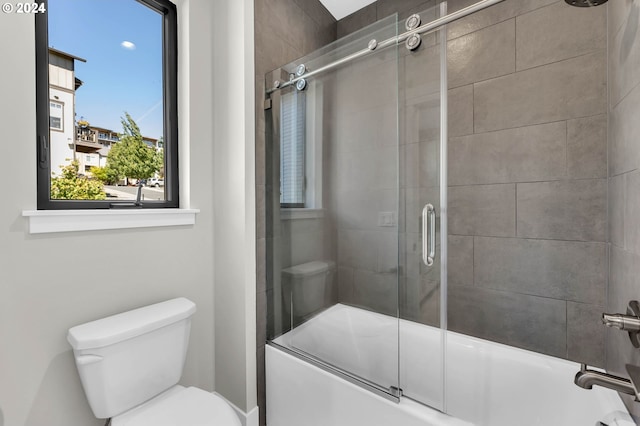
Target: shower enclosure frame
393, 41
374, 46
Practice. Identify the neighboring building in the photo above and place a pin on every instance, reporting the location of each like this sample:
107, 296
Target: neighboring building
95, 142
62, 96
70, 140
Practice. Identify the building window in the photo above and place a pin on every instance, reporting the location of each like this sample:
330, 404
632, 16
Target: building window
56, 115
130, 103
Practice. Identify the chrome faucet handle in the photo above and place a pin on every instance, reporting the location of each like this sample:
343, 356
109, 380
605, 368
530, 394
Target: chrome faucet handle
629, 322
587, 378
622, 322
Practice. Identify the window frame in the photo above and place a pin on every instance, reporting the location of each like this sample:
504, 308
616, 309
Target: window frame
168, 10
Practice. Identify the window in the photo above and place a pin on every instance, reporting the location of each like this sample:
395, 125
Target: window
56, 115
292, 149
301, 152
130, 101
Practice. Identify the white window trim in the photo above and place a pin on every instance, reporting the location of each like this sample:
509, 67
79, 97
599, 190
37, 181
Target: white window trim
313, 151
301, 213
52, 221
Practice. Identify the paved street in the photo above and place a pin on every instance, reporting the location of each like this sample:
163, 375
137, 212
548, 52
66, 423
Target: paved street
129, 193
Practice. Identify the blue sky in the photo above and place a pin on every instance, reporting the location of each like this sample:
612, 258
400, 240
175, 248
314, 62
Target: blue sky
116, 77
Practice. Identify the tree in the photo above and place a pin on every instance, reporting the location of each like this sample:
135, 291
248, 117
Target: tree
131, 157
106, 175
70, 186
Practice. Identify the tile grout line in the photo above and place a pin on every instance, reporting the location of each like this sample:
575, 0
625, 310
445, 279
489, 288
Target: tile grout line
549, 180
523, 126
515, 47
537, 296
518, 71
566, 325
566, 151
528, 238
473, 261
516, 205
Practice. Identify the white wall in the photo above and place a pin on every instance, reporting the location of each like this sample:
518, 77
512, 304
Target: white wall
234, 209
47, 286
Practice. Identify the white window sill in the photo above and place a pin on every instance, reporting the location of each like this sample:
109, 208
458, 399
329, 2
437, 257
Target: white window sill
301, 213
49, 221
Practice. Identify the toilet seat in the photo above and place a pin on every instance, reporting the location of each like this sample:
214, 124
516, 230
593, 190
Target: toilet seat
180, 406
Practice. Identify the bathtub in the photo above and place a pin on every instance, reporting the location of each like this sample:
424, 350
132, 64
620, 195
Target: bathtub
485, 383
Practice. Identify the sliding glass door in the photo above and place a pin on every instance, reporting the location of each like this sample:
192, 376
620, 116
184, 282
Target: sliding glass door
354, 250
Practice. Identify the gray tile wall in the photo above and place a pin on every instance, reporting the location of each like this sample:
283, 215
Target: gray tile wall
527, 172
528, 177
624, 178
284, 30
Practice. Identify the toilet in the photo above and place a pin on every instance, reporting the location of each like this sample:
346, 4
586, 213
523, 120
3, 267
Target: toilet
130, 365
307, 286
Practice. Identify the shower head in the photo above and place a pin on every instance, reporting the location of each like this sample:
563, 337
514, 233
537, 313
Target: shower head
585, 3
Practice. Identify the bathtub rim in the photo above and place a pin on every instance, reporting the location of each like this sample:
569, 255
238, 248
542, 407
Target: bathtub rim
482, 347
408, 407
358, 381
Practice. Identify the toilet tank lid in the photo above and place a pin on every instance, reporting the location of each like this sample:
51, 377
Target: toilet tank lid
309, 268
116, 328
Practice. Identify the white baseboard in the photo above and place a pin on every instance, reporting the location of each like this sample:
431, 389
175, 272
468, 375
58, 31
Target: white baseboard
252, 418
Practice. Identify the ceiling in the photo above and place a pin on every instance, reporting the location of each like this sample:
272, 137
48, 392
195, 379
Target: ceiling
341, 8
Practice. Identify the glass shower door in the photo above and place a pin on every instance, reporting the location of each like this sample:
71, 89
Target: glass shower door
422, 107
355, 143
333, 174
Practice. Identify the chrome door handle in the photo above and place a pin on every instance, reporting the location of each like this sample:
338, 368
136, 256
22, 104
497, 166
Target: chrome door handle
428, 235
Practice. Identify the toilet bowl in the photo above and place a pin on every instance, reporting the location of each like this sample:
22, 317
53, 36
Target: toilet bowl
180, 406
130, 364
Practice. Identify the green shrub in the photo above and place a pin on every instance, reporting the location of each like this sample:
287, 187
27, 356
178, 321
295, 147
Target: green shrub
106, 175
70, 186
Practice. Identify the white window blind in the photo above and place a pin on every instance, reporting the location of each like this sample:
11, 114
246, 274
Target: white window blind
292, 149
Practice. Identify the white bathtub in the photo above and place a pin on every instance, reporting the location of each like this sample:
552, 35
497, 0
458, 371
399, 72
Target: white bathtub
485, 383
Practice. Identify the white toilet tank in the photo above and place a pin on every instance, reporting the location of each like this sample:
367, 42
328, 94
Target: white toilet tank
127, 359
307, 285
